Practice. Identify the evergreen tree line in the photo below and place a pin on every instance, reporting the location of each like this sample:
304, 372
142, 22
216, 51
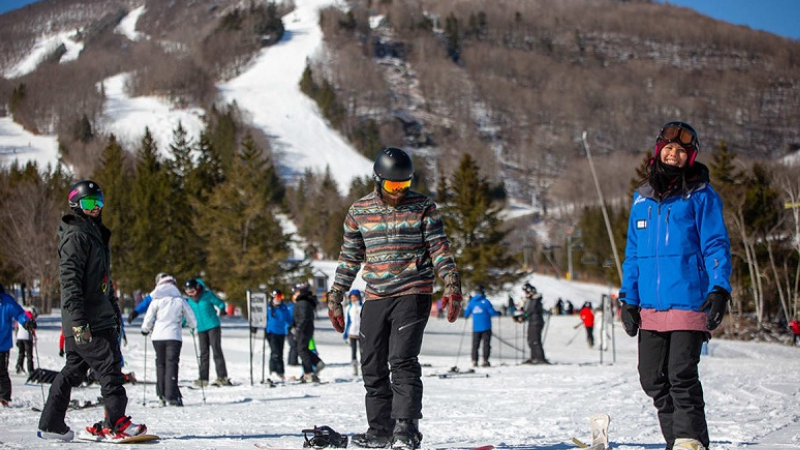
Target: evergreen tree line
214, 208
762, 215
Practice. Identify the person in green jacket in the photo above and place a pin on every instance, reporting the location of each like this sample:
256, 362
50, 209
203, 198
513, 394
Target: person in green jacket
202, 300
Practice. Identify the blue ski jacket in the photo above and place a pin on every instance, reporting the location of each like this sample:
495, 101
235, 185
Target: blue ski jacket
9, 312
677, 249
141, 308
279, 317
482, 311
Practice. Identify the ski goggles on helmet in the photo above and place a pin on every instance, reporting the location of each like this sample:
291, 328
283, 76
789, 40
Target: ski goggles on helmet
680, 133
91, 201
395, 187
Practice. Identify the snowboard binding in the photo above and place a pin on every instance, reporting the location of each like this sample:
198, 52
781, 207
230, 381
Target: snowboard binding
323, 437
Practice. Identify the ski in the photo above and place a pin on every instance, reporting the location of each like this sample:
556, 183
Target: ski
75, 405
483, 447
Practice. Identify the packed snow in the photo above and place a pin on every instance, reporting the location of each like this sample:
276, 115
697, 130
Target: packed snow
42, 49
16, 143
127, 26
751, 390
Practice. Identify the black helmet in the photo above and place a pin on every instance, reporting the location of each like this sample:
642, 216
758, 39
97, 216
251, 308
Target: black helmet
393, 164
83, 189
192, 283
529, 289
302, 286
480, 290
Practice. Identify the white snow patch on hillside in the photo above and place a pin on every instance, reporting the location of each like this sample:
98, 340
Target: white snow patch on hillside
42, 49
127, 117
16, 143
127, 26
269, 91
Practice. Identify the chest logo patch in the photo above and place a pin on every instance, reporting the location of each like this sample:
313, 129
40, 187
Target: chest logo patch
641, 224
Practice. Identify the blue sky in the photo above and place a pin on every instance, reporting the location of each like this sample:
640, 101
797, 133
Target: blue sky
776, 16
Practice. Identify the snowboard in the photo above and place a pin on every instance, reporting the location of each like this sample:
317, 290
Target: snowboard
142, 438
483, 447
599, 428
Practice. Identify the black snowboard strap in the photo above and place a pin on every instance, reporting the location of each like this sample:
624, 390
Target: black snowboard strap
323, 437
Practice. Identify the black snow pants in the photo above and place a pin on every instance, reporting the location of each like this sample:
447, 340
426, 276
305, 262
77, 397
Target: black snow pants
477, 338
103, 356
212, 338
276, 352
25, 347
391, 339
307, 357
535, 328
5, 380
668, 373
168, 356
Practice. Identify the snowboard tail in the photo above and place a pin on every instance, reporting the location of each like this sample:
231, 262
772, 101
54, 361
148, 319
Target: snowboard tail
142, 438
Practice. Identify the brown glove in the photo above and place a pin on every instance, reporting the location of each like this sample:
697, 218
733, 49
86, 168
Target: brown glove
335, 311
451, 300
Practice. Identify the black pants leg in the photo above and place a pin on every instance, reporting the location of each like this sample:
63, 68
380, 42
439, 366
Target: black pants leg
5, 380
668, 374
215, 340
392, 330
353, 348
204, 342
308, 358
103, 356
590, 336
535, 328
486, 337
476, 343
161, 367
276, 352
25, 347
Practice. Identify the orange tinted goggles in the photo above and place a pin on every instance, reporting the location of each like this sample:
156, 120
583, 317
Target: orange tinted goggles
675, 133
395, 187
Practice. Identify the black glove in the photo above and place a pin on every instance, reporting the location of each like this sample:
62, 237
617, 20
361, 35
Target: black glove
222, 312
716, 303
61, 352
630, 318
133, 315
145, 333
253, 330
30, 325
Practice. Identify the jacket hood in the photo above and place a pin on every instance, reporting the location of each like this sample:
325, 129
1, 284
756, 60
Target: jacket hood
166, 290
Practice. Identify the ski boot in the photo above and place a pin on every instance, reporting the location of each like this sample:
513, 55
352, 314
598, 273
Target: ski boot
371, 440
406, 435
687, 444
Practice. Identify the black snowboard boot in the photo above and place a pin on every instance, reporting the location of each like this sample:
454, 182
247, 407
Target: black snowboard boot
406, 435
370, 440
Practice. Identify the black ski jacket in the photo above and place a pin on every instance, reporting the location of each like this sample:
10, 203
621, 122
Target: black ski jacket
304, 309
87, 296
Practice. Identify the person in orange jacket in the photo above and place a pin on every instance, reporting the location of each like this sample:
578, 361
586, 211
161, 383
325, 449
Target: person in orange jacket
587, 316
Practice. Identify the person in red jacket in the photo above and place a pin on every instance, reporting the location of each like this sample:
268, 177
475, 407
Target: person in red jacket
587, 316
794, 325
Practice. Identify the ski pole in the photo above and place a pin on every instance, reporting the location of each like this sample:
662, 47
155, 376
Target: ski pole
34, 339
263, 355
463, 332
144, 382
573, 337
546, 326
197, 356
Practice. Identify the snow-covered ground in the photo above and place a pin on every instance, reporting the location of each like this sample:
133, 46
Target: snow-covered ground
127, 26
42, 49
16, 143
751, 390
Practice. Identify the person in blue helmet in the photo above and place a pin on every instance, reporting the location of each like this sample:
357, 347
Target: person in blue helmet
352, 326
676, 281
482, 311
10, 311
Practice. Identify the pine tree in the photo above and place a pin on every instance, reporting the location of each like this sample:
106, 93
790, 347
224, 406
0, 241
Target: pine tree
150, 197
474, 227
115, 178
245, 240
208, 172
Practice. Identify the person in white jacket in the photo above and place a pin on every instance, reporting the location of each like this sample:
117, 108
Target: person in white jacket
164, 317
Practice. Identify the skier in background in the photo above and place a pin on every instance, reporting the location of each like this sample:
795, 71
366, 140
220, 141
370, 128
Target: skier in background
25, 339
482, 311
279, 318
399, 237
676, 281
10, 311
209, 330
587, 316
533, 312
352, 326
794, 326
304, 313
89, 316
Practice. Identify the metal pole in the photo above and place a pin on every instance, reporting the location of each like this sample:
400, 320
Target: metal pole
250, 334
34, 339
602, 327
144, 382
602, 205
197, 356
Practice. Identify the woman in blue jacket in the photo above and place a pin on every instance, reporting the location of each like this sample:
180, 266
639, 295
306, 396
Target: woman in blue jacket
279, 318
675, 284
202, 300
9, 312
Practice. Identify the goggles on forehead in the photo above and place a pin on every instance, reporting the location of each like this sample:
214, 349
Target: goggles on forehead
676, 133
395, 187
91, 201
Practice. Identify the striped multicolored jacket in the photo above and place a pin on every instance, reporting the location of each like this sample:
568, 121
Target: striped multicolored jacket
401, 247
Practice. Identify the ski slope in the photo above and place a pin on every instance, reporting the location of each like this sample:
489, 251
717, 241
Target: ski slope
751, 391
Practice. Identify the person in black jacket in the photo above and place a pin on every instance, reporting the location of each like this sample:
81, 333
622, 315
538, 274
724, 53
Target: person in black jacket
533, 313
304, 313
90, 320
